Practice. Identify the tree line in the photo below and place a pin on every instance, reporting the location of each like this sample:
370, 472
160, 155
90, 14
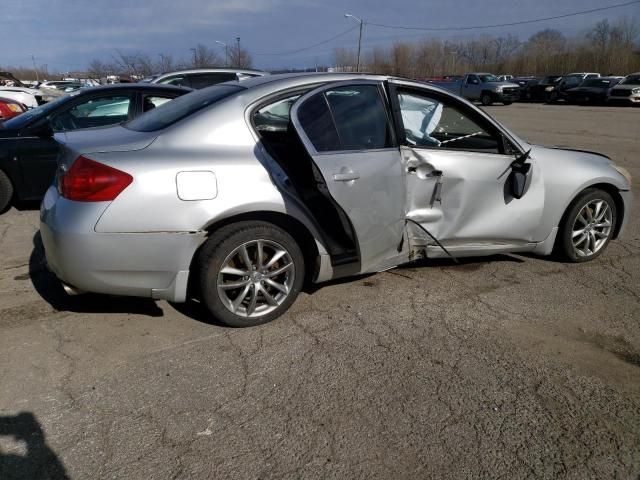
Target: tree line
608, 48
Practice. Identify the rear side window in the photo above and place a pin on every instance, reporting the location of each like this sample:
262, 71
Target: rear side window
360, 117
315, 119
174, 111
202, 80
346, 118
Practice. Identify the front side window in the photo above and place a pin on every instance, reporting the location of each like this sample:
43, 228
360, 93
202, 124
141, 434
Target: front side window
352, 117
96, 112
428, 122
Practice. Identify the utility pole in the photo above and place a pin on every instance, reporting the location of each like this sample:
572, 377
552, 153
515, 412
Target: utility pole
195, 57
33, 58
238, 40
359, 20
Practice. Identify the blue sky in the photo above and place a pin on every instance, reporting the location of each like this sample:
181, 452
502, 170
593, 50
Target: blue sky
67, 34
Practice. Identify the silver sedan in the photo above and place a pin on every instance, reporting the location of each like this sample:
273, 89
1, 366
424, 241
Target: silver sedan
239, 193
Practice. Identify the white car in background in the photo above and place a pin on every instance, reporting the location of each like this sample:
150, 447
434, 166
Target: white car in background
29, 97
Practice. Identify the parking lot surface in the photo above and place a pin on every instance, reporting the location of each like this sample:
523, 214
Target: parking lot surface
503, 367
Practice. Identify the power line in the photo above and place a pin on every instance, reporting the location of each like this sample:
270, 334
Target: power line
314, 45
523, 22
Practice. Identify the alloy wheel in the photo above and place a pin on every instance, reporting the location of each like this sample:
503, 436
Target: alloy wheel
592, 227
256, 278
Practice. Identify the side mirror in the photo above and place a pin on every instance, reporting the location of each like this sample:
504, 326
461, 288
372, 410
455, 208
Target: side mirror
519, 175
518, 180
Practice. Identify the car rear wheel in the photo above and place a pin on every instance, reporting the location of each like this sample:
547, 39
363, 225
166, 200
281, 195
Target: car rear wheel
507, 102
486, 99
250, 273
6, 191
587, 226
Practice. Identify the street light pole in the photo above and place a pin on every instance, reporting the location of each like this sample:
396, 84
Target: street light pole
359, 20
226, 52
33, 58
238, 40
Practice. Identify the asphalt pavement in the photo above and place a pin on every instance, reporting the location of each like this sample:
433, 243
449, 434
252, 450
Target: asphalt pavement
504, 367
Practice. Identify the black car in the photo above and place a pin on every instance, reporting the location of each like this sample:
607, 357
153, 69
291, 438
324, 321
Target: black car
591, 91
28, 151
525, 84
541, 91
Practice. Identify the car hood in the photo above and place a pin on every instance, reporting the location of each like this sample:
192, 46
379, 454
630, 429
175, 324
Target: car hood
560, 153
107, 139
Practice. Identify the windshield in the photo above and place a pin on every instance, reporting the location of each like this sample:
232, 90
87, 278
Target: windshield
486, 78
551, 79
43, 110
631, 80
171, 112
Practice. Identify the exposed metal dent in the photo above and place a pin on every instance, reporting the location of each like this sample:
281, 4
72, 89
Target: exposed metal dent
176, 291
546, 246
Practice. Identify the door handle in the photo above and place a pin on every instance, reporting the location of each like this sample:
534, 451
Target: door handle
345, 176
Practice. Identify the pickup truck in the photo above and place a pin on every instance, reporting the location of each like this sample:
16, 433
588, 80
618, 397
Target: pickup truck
484, 87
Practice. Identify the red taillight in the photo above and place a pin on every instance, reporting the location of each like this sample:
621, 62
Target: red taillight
90, 181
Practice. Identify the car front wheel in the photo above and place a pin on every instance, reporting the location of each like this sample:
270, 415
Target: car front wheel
250, 273
6, 191
486, 99
587, 226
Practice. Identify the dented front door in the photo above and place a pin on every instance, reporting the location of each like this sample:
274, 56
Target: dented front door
457, 169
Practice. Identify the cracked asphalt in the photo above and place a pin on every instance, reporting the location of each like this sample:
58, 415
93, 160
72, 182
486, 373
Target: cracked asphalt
503, 367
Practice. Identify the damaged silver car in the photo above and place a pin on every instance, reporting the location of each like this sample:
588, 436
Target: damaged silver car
238, 193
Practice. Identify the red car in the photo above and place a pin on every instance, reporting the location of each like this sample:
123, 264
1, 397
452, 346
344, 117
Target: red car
10, 108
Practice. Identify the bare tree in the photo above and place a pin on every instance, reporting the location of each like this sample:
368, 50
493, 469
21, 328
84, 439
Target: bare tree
204, 57
239, 57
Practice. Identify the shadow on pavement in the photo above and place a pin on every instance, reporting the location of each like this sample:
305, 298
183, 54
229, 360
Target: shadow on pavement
50, 289
39, 462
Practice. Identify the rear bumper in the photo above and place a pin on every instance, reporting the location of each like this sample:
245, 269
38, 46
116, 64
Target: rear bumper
138, 264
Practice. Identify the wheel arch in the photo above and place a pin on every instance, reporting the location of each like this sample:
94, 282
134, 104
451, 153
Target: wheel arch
611, 190
298, 230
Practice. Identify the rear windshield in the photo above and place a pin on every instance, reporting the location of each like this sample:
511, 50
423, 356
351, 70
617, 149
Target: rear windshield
174, 111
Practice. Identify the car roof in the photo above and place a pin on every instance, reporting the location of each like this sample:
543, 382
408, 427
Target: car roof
212, 70
133, 86
306, 78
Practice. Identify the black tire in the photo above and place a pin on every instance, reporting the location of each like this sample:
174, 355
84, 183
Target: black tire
554, 97
507, 103
486, 99
220, 250
564, 243
6, 192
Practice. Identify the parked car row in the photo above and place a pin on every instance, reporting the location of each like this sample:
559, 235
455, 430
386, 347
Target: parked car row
581, 88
